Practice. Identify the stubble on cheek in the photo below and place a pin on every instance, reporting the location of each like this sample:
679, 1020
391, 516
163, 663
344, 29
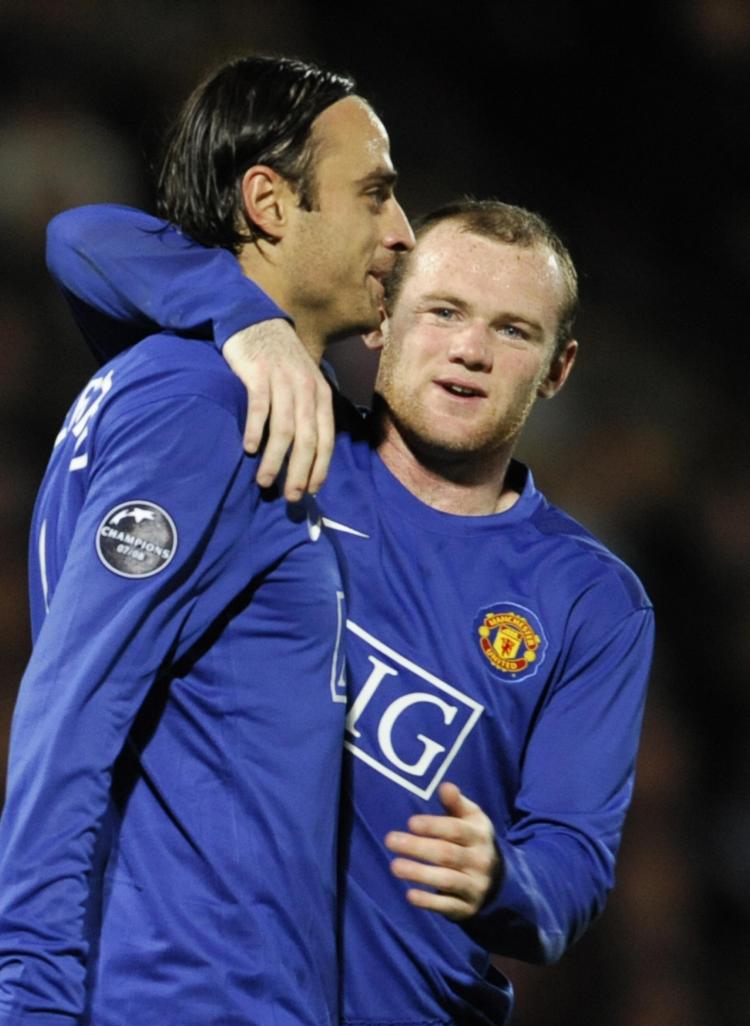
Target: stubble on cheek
427, 428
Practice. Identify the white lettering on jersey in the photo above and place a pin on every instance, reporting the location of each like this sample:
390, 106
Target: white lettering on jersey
42, 550
77, 423
431, 748
405, 722
338, 665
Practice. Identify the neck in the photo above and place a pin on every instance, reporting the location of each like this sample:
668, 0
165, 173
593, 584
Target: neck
259, 265
451, 483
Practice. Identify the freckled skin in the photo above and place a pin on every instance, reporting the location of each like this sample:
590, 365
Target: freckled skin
482, 315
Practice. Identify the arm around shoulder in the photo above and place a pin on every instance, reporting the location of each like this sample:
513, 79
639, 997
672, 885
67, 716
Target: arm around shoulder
140, 271
127, 274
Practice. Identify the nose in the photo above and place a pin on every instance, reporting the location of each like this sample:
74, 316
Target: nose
471, 347
398, 235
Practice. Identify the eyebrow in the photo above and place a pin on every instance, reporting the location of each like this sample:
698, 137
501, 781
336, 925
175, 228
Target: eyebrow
510, 318
443, 297
380, 176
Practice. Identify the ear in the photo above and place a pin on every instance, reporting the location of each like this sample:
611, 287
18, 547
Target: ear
377, 338
266, 196
559, 370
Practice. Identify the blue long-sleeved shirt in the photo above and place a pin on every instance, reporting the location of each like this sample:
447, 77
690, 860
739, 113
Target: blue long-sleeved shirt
167, 847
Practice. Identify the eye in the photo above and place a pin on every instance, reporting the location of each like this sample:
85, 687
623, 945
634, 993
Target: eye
513, 331
444, 313
378, 196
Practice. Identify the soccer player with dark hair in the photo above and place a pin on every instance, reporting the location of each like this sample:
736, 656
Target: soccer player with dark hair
495, 648
168, 843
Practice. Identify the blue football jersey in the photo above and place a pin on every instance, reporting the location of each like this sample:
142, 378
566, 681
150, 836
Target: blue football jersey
507, 653
168, 844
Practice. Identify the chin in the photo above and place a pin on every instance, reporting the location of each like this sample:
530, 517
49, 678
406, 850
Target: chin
444, 449
363, 321
351, 324
456, 439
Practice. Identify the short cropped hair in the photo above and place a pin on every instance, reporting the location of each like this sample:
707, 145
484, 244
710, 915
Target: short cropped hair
501, 222
254, 110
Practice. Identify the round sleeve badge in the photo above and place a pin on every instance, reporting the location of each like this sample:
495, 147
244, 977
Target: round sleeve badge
136, 539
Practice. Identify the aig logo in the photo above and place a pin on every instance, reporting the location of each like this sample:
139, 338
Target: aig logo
404, 722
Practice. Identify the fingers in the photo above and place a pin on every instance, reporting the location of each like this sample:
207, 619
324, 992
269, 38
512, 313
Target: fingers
453, 892
451, 907
288, 395
326, 436
464, 824
473, 855
282, 425
312, 446
258, 408
453, 854
454, 802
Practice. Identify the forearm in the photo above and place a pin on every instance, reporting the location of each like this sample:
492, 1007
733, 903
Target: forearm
551, 889
127, 275
558, 853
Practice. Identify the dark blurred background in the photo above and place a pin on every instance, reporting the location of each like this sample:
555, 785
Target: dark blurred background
628, 126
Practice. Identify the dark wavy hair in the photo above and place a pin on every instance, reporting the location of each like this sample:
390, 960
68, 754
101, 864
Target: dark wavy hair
254, 110
501, 222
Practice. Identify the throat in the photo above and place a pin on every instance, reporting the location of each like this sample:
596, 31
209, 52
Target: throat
453, 483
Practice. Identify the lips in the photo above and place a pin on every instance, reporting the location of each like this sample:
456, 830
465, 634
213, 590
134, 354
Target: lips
381, 270
378, 284
461, 389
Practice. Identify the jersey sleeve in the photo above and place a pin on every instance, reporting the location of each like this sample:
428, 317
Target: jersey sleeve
108, 636
127, 274
577, 776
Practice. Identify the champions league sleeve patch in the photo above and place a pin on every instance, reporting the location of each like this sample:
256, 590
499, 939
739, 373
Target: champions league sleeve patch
511, 639
136, 539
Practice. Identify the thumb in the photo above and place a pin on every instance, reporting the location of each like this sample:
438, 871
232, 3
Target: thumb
455, 803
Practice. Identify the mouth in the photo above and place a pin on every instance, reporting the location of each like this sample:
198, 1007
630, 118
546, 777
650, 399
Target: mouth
377, 278
381, 271
461, 389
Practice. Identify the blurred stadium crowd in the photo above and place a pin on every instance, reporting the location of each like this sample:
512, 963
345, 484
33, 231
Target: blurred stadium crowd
628, 128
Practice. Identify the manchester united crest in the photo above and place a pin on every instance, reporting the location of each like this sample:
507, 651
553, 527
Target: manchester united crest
511, 639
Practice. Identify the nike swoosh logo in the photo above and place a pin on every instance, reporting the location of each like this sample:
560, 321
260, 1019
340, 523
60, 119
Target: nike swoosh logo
314, 528
335, 526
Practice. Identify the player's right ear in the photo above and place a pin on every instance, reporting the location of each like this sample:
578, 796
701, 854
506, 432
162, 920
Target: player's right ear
265, 199
559, 370
376, 339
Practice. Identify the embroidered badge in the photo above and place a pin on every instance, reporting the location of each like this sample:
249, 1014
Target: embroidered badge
136, 539
512, 640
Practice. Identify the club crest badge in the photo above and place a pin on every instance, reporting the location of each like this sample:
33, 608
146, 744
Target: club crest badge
136, 539
511, 639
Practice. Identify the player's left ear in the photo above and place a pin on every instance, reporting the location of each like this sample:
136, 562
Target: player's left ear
375, 339
559, 370
267, 198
